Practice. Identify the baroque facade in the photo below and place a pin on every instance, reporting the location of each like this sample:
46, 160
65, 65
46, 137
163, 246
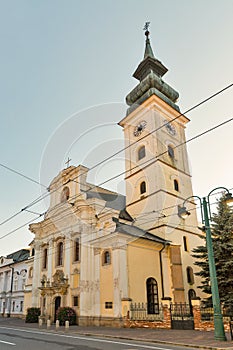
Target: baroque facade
97, 250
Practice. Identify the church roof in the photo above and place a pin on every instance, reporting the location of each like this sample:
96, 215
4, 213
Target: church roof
138, 232
20, 255
113, 200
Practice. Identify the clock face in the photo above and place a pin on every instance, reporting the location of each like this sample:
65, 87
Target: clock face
170, 128
139, 128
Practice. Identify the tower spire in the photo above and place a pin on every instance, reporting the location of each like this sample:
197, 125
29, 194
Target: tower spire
149, 73
148, 48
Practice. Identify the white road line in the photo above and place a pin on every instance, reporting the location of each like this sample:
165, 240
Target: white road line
88, 338
6, 342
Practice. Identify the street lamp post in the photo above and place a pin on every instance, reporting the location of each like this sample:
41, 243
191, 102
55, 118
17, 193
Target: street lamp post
219, 332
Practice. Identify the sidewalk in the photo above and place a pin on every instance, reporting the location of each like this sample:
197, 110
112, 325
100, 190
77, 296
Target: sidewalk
198, 339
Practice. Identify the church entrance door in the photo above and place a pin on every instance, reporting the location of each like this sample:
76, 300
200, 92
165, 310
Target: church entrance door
57, 305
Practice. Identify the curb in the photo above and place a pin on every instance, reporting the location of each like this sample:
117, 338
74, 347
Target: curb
155, 341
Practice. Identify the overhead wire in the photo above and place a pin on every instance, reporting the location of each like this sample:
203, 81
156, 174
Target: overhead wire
150, 160
101, 162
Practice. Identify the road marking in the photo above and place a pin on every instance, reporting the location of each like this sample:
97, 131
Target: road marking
88, 338
6, 342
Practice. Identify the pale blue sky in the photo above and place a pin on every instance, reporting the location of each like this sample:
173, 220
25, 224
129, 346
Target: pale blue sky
61, 57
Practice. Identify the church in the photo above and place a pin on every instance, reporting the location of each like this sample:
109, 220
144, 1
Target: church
98, 251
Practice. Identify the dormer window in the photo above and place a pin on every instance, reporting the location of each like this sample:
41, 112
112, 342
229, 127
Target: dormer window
65, 195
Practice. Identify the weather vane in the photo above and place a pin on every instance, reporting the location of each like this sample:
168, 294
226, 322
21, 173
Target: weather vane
146, 27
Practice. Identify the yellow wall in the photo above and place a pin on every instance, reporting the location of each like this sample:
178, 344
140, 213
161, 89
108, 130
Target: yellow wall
143, 263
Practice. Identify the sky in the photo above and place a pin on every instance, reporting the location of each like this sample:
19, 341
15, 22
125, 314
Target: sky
66, 67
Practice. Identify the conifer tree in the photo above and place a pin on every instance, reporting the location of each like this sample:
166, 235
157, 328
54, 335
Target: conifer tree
222, 236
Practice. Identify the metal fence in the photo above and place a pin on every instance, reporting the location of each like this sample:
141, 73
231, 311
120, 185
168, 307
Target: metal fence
139, 312
207, 313
181, 310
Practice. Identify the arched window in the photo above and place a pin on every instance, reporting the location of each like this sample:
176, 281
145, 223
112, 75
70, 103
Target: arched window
141, 152
106, 257
45, 258
190, 277
176, 185
191, 295
60, 253
170, 151
142, 187
152, 296
65, 195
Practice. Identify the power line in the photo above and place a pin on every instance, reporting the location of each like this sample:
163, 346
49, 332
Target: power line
116, 153
22, 175
150, 160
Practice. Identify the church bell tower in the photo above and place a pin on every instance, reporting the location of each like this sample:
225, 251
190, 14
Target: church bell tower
157, 177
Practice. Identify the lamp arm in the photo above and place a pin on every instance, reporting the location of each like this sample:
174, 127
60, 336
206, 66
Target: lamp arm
202, 218
208, 197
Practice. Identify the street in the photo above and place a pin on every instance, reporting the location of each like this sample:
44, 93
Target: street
22, 339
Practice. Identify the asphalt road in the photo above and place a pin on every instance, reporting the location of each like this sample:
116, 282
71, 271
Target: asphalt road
25, 339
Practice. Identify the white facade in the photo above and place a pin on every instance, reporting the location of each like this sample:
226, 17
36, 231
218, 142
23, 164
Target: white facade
13, 276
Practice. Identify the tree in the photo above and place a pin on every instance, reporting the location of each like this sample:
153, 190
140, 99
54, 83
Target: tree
222, 236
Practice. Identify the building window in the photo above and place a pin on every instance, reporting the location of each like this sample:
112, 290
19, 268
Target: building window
142, 187
108, 304
13, 306
76, 250
30, 272
185, 243
21, 306
45, 258
141, 152
60, 253
176, 185
44, 302
190, 277
191, 295
152, 296
65, 195
171, 153
15, 284
33, 251
106, 257
75, 301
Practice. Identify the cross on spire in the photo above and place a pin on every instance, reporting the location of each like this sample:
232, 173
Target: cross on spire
68, 162
146, 27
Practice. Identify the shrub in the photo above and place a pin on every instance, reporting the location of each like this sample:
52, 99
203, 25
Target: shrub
32, 314
66, 313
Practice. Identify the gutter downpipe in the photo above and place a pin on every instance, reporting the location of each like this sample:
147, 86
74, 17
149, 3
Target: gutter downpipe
10, 297
161, 268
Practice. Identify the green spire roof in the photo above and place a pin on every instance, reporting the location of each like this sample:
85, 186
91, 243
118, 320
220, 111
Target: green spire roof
148, 49
149, 73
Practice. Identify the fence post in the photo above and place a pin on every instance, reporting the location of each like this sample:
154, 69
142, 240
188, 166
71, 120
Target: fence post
196, 305
166, 302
